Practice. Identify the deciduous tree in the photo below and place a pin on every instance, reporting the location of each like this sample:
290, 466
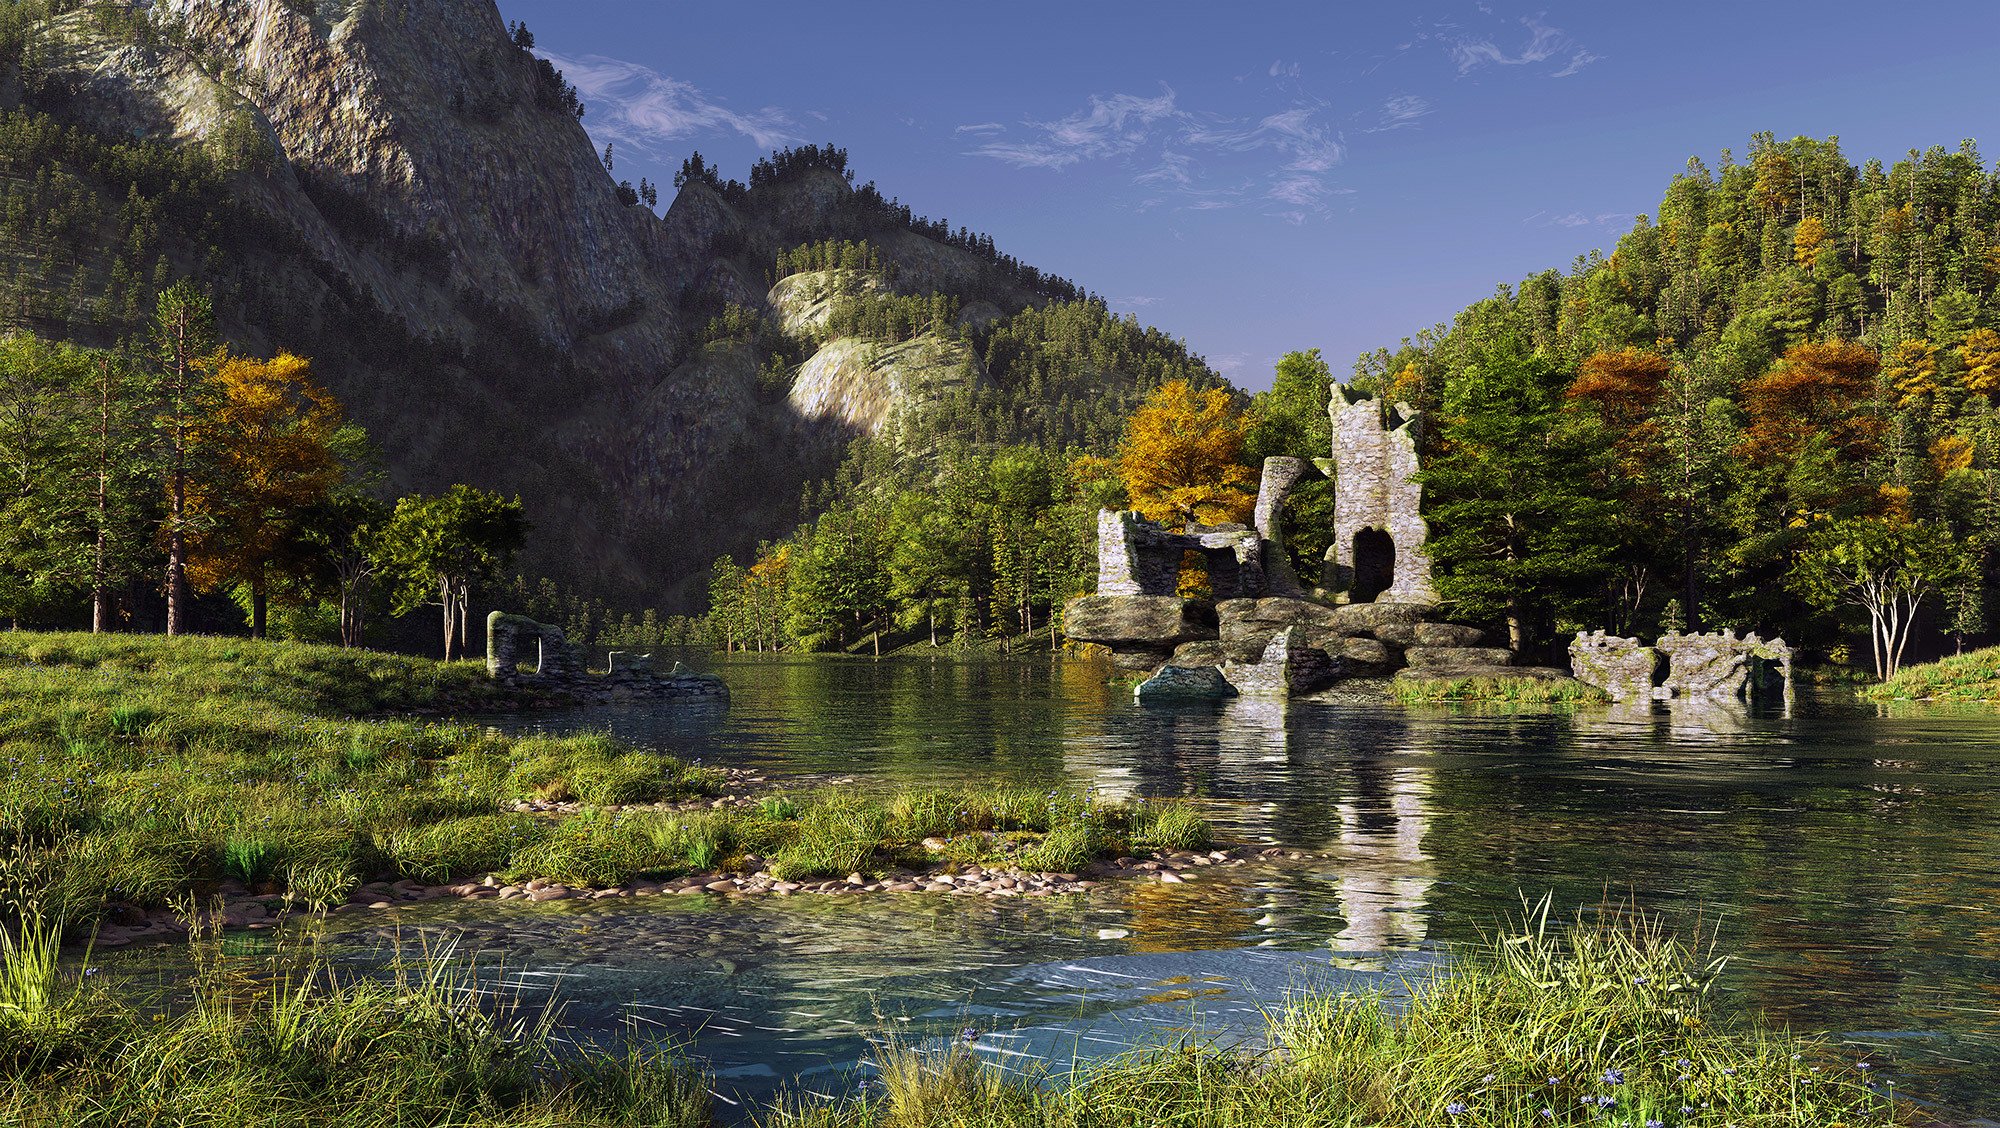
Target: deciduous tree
1182, 457
436, 549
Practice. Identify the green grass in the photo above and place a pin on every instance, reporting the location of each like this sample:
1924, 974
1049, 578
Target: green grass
1538, 1018
1522, 691
141, 769
1973, 676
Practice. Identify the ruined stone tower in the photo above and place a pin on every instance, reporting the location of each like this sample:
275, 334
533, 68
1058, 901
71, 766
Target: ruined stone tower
1379, 533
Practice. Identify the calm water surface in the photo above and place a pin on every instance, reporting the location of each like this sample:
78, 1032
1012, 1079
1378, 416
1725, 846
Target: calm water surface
1847, 855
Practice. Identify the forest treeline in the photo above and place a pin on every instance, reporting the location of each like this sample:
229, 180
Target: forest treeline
140, 477
1769, 405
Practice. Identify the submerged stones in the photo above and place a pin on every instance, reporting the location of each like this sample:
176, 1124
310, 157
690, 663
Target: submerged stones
1718, 666
513, 641
1185, 683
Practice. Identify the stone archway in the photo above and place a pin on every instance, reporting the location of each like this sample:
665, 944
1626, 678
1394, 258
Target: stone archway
1374, 564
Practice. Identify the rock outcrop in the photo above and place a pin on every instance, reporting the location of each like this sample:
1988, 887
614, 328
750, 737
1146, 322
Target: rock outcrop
1702, 667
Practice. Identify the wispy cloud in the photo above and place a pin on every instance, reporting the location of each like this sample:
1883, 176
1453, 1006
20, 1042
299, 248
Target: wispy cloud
1168, 149
1575, 219
1401, 112
1543, 43
1108, 127
640, 108
981, 128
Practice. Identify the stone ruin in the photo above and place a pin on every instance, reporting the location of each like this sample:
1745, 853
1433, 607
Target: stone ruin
1718, 666
1263, 635
1378, 527
515, 641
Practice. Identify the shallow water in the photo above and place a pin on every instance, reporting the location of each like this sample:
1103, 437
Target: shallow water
1844, 853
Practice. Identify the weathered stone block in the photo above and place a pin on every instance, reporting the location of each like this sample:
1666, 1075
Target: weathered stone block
1128, 621
1373, 654
1365, 618
1445, 634
1184, 683
1215, 653
1434, 657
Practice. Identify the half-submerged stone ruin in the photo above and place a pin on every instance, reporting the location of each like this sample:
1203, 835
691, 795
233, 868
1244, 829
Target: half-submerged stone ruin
1708, 667
1263, 634
523, 652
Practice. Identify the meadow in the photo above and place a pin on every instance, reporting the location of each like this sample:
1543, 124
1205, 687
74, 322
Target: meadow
140, 771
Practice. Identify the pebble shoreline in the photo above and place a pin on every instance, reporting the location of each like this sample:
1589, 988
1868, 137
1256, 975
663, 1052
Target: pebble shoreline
242, 908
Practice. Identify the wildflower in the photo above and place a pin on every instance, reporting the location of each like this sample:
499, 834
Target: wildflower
969, 1035
1656, 1124
1555, 1081
1548, 1114
1456, 1108
1614, 1077
1606, 1102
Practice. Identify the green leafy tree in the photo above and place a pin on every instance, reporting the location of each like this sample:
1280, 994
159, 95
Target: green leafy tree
1291, 419
1518, 532
436, 549
839, 580
1886, 567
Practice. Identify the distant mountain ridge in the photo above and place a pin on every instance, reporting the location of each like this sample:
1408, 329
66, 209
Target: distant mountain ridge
402, 192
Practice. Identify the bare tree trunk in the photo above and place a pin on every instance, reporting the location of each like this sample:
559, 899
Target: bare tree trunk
100, 580
445, 601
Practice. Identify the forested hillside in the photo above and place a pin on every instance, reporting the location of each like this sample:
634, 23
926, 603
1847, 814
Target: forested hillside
346, 183
1781, 385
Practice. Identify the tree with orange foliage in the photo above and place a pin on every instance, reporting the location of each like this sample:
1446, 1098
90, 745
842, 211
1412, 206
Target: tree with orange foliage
1621, 386
1182, 457
272, 436
1979, 352
1820, 391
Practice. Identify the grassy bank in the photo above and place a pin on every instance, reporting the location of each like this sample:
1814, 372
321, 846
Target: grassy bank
1596, 1025
1973, 676
1522, 691
142, 769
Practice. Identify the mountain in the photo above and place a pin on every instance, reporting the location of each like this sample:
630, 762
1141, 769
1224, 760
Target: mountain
405, 193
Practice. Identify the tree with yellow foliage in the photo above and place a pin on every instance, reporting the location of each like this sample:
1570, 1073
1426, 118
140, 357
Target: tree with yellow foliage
1979, 353
1182, 457
272, 436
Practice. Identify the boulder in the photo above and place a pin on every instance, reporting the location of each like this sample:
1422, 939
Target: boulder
1397, 634
1185, 683
1439, 657
1371, 654
1160, 622
1364, 618
1215, 653
1259, 619
1444, 634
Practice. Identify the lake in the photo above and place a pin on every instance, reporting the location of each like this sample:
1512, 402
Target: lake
1844, 853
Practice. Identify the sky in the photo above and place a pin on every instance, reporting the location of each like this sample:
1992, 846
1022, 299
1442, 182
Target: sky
1256, 178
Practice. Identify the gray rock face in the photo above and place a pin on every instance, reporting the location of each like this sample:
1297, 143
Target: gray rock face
1443, 634
1440, 657
1256, 620
1618, 666
1217, 653
1136, 621
1372, 654
1367, 618
1174, 682
1374, 469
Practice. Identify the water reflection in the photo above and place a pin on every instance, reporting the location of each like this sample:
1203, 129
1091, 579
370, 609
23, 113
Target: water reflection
1845, 852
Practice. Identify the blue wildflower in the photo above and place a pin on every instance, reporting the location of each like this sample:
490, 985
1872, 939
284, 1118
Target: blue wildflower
1456, 1108
1614, 1077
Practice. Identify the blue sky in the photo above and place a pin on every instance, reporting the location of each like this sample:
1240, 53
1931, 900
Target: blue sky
1257, 178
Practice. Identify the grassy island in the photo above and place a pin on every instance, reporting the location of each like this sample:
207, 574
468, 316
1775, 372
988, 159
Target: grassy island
1972, 676
141, 771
